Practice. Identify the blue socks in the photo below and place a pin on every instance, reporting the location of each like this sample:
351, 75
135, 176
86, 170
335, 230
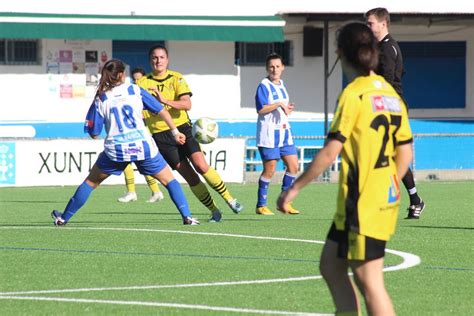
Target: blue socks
84, 191
177, 195
77, 200
263, 185
288, 180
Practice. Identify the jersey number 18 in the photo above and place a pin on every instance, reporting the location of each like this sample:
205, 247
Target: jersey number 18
126, 117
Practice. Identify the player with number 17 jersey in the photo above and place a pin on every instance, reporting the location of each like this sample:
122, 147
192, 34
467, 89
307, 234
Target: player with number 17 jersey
370, 121
120, 110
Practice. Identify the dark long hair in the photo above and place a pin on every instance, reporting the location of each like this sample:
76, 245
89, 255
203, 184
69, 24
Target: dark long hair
110, 76
358, 46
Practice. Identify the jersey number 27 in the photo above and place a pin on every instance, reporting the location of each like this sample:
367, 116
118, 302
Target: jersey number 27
382, 121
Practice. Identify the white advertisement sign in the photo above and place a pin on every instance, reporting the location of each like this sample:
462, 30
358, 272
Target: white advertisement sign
68, 162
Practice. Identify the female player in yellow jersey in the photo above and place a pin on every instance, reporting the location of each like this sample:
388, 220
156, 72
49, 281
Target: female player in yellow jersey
171, 89
371, 132
131, 194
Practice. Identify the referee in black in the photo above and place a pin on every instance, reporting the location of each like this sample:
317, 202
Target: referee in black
391, 68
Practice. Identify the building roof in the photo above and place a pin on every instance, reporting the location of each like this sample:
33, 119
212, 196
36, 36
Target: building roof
133, 27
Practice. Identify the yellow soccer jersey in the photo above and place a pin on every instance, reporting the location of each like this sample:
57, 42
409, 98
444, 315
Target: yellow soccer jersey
370, 121
171, 86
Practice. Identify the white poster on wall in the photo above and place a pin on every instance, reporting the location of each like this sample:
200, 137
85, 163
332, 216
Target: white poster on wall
68, 162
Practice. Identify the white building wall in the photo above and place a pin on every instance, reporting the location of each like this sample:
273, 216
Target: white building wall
210, 72
221, 89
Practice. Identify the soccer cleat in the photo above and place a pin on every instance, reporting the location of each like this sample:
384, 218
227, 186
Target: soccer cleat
414, 211
291, 210
190, 221
235, 206
156, 196
216, 216
128, 197
58, 220
263, 210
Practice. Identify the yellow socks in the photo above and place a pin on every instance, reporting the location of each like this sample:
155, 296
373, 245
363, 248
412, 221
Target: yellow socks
130, 181
129, 178
201, 192
152, 184
214, 180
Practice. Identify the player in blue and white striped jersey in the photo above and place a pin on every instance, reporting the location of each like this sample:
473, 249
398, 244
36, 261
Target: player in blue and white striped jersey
118, 106
274, 139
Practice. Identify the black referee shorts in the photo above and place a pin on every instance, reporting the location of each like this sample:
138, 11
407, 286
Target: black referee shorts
172, 151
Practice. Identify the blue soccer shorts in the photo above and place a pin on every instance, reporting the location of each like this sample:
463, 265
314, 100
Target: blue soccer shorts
276, 153
146, 167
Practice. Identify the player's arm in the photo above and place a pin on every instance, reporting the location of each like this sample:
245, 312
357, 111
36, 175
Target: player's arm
403, 158
323, 159
94, 121
183, 102
261, 101
403, 142
151, 104
267, 108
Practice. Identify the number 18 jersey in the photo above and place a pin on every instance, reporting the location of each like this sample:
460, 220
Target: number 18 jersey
370, 121
120, 110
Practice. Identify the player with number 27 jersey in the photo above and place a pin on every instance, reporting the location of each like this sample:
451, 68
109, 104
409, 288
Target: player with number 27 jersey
120, 110
372, 115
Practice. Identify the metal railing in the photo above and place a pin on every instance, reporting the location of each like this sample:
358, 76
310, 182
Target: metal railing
306, 153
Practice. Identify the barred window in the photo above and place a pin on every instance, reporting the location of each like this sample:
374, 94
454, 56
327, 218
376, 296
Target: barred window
254, 54
19, 51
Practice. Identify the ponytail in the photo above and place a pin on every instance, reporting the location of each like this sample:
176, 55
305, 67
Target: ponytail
358, 45
110, 76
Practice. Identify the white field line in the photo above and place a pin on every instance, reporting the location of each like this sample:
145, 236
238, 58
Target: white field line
158, 304
69, 228
409, 260
171, 286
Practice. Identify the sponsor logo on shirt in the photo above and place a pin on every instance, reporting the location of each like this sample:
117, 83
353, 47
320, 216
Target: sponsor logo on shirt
132, 150
393, 190
89, 123
385, 103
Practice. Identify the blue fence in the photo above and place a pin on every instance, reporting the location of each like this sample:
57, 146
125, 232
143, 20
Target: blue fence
433, 149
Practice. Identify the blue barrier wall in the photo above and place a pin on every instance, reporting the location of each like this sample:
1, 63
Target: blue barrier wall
430, 152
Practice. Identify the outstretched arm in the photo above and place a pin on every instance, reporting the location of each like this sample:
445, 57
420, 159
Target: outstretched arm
152, 104
183, 103
178, 136
323, 159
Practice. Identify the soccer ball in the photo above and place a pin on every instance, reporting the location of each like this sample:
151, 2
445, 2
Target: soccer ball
205, 130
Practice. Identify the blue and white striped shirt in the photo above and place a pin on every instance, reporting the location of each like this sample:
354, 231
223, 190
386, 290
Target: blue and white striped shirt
120, 110
273, 128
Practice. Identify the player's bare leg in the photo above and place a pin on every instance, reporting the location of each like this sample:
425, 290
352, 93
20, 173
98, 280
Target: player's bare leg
335, 272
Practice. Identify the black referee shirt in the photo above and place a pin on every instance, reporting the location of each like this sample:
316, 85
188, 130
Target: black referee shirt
391, 63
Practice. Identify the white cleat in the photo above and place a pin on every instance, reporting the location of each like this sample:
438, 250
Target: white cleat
235, 206
190, 221
128, 197
156, 196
